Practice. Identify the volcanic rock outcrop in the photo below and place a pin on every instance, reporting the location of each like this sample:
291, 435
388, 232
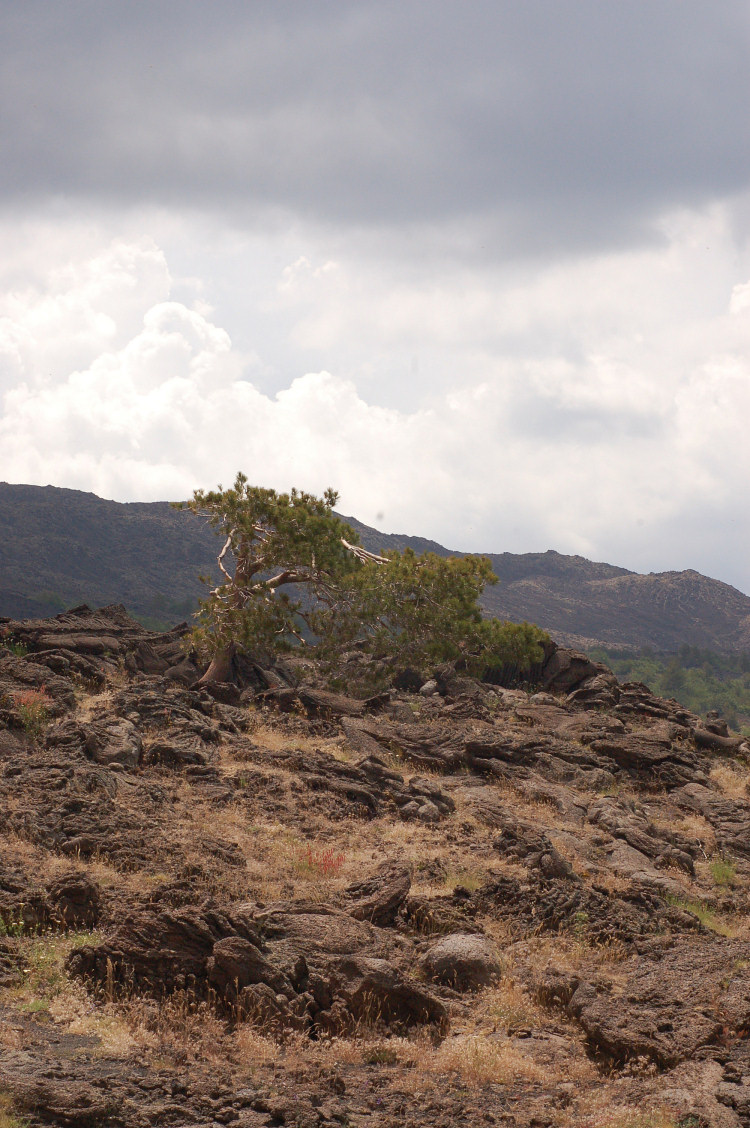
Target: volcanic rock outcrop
430, 907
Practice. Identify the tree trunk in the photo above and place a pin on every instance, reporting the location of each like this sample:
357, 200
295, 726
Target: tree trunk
220, 669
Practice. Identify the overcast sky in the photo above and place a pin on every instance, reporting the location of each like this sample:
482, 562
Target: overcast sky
482, 267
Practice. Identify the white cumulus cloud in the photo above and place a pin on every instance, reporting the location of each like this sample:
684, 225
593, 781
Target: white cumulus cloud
111, 385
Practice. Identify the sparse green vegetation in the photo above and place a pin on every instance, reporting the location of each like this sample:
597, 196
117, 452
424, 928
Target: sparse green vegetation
43, 967
465, 879
9, 1118
18, 649
706, 915
12, 924
723, 871
33, 706
699, 679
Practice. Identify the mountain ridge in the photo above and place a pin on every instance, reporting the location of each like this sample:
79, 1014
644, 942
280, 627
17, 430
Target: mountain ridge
59, 547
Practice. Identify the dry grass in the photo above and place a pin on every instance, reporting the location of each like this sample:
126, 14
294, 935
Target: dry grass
43, 866
46, 991
484, 1059
10, 1036
249, 1048
573, 953
273, 852
75, 1009
92, 704
472, 1058
20, 852
731, 778
509, 1007
608, 879
180, 1025
538, 812
697, 828
599, 1111
277, 856
42, 962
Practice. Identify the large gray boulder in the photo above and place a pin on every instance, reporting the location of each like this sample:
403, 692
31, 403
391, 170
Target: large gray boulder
463, 961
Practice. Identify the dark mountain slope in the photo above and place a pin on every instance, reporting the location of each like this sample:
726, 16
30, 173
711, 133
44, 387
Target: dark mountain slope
62, 547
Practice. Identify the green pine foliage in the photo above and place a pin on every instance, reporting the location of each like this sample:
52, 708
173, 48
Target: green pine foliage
281, 553
510, 648
294, 575
413, 609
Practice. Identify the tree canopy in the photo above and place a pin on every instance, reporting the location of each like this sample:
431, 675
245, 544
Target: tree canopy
294, 574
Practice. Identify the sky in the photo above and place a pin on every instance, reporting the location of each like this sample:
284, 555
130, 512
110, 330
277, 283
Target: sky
484, 268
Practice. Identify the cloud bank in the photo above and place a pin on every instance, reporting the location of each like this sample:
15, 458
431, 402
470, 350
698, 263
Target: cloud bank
112, 386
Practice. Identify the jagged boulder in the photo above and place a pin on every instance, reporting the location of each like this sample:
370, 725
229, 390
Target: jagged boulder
106, 740
374, 992
667, 1004
160, 951
565, 669
379, 898
76, 900
292, 966
729, 818
628, 822
236, 963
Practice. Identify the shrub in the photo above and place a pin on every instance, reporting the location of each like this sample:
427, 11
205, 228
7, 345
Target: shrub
33, 707
723, 871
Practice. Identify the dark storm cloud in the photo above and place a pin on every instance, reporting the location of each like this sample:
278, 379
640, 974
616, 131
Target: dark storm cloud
520, 126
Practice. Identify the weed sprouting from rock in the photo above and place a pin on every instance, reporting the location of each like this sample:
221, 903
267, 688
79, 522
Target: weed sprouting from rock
33, 707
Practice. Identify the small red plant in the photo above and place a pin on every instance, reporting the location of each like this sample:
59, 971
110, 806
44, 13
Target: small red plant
33, 709
323, 863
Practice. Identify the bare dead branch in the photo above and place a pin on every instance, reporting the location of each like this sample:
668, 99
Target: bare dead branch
363, 555
223, 552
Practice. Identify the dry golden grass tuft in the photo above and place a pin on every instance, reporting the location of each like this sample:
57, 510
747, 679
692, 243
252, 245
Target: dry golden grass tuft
599, 1111
181, 1025
91, 704
731, 778
250, 1048
484, 1059
572, 953
10, 1036
509, 1007
273, 738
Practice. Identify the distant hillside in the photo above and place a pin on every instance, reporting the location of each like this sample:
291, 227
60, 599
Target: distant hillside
63, 547
586, 604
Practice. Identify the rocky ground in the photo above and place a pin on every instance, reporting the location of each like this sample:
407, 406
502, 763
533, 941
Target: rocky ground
451, 903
